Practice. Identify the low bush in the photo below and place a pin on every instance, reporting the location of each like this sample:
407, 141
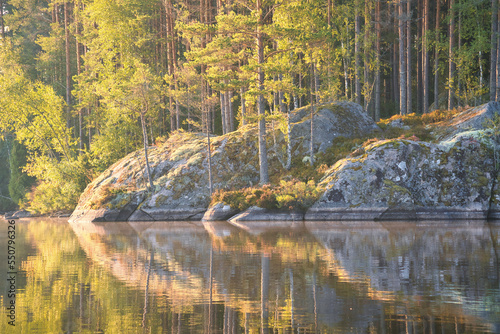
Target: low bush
288, 195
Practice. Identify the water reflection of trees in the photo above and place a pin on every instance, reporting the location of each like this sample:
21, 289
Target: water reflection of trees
414, 277
216, 278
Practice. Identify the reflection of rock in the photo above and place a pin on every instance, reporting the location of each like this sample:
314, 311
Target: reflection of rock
393, 259
353, 268
220, 229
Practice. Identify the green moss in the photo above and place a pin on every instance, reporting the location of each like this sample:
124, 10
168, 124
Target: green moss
160, 199
482, 181
395, 191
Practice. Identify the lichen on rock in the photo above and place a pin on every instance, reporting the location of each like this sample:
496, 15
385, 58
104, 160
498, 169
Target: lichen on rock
403, 179
179, 168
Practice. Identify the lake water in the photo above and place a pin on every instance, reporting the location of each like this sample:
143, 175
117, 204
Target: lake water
193, 277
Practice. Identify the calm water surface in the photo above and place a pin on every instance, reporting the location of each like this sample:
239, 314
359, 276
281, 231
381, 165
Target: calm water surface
193, 277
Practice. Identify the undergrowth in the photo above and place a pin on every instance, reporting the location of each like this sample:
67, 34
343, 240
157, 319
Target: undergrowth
297, 188
290, 195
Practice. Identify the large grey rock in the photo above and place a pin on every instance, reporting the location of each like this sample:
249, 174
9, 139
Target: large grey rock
337, 119
219, 211
180, 170
255, 213
471, 119
19, 214
180, 177
402, 179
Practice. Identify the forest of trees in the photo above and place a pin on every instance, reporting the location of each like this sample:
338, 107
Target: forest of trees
85, 82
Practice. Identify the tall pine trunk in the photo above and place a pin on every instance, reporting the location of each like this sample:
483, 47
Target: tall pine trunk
494, 46
145, 142
78, 72
497, 95
223, 111
425, 57
408, 58
451, 63
2, 24
243, 106
366, 47
68, 64
402, 58
377, 61
357, 53
263, 165
312, 91
436, 57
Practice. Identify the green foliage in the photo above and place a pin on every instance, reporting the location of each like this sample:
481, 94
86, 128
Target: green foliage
6, 202
288, 195
59, 183
493, 125
20, 183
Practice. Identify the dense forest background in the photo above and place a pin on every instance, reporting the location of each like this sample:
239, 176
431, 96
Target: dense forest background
85, 82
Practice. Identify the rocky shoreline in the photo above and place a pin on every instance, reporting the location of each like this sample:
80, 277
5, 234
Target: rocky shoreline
453, 178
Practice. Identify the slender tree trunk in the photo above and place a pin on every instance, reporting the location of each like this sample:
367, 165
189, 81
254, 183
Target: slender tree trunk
346, 76
451, 67
419, 75
68, 64
243, 106
311, 146
1, 20
209, 153
357, 52
425, 58
289, 141
497, 95
177, 105
316, 85
145, 141
230, 110
263, 165
395, 61
493, 53
171, 58
436, 57
377, 61
408, 58
402, 60
366, 48
171, 108
281, 97
223, 112
78, 72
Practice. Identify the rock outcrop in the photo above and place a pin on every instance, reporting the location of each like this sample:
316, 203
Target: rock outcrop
180, 170
338, 119
403, 179
454, 178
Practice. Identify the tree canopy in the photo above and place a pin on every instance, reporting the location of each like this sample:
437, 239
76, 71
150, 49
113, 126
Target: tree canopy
85, 82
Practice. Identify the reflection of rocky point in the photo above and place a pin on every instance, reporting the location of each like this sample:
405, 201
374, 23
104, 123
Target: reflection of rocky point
321, 266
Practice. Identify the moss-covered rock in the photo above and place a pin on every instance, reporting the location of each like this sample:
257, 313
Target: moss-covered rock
333, 120
403, 179
180, 170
